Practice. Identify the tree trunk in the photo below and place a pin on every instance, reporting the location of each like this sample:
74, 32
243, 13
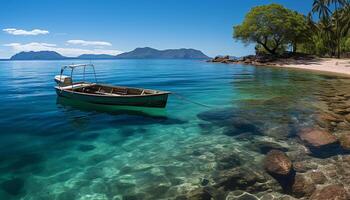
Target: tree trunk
294, 47
271, 51
336, 29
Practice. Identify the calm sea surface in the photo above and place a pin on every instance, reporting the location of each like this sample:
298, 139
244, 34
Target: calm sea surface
54, 148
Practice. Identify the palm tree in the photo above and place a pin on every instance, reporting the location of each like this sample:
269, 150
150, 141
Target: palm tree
330, 19
344, 21
337, 4
321, 7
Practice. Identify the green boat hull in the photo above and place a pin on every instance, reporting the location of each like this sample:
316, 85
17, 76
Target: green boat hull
154, 100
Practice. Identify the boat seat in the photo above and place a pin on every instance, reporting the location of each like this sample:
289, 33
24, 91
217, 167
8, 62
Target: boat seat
107, 94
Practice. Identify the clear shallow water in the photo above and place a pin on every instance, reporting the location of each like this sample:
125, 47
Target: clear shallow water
53, 148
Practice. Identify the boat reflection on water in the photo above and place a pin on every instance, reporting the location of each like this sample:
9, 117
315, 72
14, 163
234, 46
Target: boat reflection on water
111, 109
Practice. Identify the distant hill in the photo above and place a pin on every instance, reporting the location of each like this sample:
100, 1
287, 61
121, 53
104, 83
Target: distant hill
38, 55
147, 52
96, 56
138, 53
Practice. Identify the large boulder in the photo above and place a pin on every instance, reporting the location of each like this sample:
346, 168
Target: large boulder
318, 140
277, 163
220, 59
331, 192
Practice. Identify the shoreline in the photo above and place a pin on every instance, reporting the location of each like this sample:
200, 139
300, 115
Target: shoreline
327, 66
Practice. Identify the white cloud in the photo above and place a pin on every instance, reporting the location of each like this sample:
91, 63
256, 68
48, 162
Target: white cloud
36, 46
87, 43
14, 31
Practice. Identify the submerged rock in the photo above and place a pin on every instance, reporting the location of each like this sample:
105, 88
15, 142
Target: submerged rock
228, 162
340, 111
240, 179
278, 163
318, 177
199, 194
343, 126
331, 192
329, 117
302, 186
326, 120
13, 186
347, 118
303, 166
85, 147
265, 146
345, 141
318, 141
243, 196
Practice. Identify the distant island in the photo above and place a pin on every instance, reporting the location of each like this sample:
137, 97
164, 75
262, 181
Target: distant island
138, 53
38, 55
147, 52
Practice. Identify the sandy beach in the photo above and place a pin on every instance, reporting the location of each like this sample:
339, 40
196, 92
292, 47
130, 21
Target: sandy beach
329, 65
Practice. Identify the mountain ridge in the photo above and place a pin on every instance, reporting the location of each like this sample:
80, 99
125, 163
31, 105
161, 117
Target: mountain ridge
38, 55
138, 53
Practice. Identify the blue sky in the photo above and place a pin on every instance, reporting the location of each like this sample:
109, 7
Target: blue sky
73, 27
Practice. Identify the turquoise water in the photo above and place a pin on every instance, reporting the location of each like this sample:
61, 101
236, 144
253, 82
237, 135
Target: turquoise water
53, 148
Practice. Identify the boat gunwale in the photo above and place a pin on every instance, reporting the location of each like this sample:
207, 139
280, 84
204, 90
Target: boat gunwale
112, 96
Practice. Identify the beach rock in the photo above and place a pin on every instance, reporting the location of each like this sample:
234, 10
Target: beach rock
331, 192
220, 59
317, 139
345, 141
13, 186
318, 177
277, 163
302, 186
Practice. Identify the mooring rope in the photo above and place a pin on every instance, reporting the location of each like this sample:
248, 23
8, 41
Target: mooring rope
191, 101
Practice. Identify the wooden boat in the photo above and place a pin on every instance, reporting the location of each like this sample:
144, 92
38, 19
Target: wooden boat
107, 94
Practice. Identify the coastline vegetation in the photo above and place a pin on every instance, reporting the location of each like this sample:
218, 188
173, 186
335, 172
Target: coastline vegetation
274, 29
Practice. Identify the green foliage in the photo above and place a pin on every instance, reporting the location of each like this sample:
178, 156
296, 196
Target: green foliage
345, 44
333, 25
273, 28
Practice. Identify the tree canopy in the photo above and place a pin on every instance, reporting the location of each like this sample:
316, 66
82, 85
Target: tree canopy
275, 29
272, 27
332, 25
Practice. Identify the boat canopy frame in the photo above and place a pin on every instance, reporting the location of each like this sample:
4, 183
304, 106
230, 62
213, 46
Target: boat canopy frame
73, 66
